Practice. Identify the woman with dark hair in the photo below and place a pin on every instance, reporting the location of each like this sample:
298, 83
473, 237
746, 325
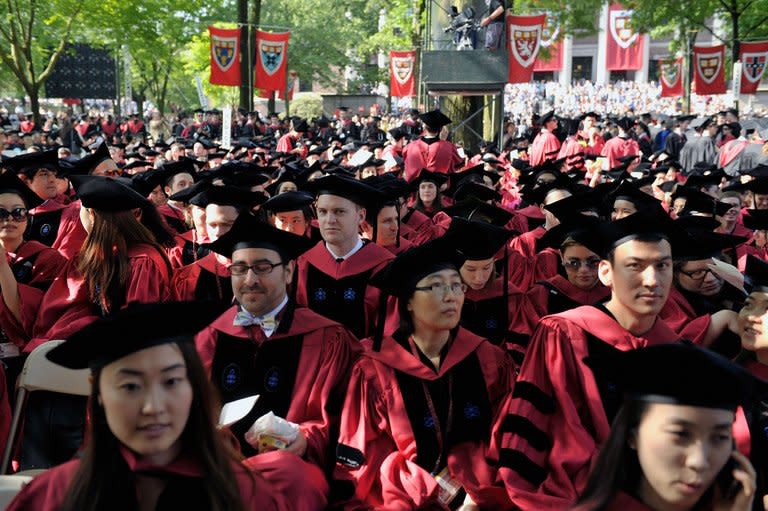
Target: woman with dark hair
428, 198
152, 440
416, 422
671, 444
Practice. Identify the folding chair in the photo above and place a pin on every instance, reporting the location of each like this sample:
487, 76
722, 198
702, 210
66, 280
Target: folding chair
9, 487
39, 373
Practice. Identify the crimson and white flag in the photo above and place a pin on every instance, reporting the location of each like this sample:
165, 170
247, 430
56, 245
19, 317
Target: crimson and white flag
550, 39
225, 56
401, 81
753, 59
271, 60
709, 69
624, 45
671, 77
524, 41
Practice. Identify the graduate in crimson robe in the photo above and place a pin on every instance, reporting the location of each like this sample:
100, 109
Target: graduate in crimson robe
559, 415
176, 177
546, 145
190, 245
418, 416
590, 139
622, 145
333, 276
431, 151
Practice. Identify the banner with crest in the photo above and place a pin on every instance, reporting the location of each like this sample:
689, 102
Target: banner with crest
401, 81
271, 60
225, 56
550, 39
523, 44
671, 77
709, 69
624, 45
753, 59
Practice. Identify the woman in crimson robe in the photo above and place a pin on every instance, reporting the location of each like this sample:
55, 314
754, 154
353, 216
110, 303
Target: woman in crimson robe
428, 198
416, 421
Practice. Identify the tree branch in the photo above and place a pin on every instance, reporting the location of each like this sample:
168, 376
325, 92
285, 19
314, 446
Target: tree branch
711, 32
753, 27
60, 49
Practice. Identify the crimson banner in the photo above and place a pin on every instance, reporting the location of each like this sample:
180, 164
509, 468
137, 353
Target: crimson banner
709, 69
401, 81
271, 59
225, 56
624, 46
753, 59
671, 77
550, 35
524, 39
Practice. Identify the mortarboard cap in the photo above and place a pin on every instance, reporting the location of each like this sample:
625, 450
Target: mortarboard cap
700, 123
756, 273
424, 175
583, 229
701, 245
758, 186
127, 332
760, 171
576, 203
682, 374
88, 163
646, 223
547, 117
625, 123
10, 183
474, 209
189, 192
288, 201
756, 219
249, 232
173, 168
29, 163
227, 195
435, 119
106, 194
476, 240
477, 190
348, 188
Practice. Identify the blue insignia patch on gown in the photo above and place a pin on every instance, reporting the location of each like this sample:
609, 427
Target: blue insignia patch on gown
45, 229
230, 377
471, 410
320, 294
349, 294
491, 324
429, 422
272, 379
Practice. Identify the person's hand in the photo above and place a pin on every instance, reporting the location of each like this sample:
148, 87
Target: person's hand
298, 446
444, 132
468, 505
741, 494
728, 273
3, 257
485, 22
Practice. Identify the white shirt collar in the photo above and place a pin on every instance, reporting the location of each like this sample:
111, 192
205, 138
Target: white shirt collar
349, 254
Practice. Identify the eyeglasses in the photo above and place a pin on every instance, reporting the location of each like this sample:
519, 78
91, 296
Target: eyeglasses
698, 274
18, 214
263, 268
440, 290
575, 264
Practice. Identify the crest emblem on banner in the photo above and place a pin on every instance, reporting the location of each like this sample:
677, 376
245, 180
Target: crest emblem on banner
709, 66
753, 66
621, 28
525, 43
402, 68
271, 54
670, 73
224, 50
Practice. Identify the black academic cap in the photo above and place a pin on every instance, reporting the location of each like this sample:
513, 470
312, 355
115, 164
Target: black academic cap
247, 179
700, 245
758, 186
401, 275
756, 219
106, 194
760, 171
576, 203
650, 223
346, 187
227, 195
707, 179
625, 123
684, 118
88, 163
249, 232
696, 223
547, 117
137, 164
682, 374
29, 163
288, 201
424, 175
476, 240
700, 202
10, 183
701, 123
173, 168
756, 273
397, 133
477, 190
188, 193
147, 181
391, 186
629, 192
127, 332
590, 114
583, 229
669, 186
435, 119
474, 209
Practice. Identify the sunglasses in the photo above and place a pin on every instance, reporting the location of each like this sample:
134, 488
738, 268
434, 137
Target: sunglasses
18, 214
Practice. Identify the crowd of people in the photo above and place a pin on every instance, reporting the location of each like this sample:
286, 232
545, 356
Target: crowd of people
575, 318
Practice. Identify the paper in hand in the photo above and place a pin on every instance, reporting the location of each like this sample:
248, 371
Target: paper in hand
235, 410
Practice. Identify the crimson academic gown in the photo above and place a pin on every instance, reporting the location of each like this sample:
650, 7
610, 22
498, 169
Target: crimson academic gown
185, 477
573, 152
552, 426
617, 147
388, 444
174, 218
188, 249
340, 290
430, 153
404, 245
56, 223
35, 267
680, 316
300, 372
544, 147
206, 279
67, 307
528, 263
413, 219
592, 145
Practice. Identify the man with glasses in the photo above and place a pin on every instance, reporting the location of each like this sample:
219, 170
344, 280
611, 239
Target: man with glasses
297, 361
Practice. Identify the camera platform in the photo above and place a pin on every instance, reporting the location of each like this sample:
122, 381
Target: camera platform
465, 73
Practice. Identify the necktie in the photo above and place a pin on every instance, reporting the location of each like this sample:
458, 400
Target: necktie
339, 259
267, 323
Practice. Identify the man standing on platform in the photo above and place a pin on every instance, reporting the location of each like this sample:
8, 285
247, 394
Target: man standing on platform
432, 151
494, 24
546, 145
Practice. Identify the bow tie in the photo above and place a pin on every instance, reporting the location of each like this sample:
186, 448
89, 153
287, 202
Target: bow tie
267, 323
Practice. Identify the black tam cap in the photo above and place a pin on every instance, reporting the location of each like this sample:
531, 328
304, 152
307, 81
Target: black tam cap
228, 196
756, 273
107, 194
10, 183
88, 163
288, 201
173, 168
249, 232
127, 332
435, 120
758, 186
477, 190
645, 224
681, 374
424, 175
29, 163
187, 194
476, 240
756, 219
583, 229
348, 188
547, 117
475, 209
